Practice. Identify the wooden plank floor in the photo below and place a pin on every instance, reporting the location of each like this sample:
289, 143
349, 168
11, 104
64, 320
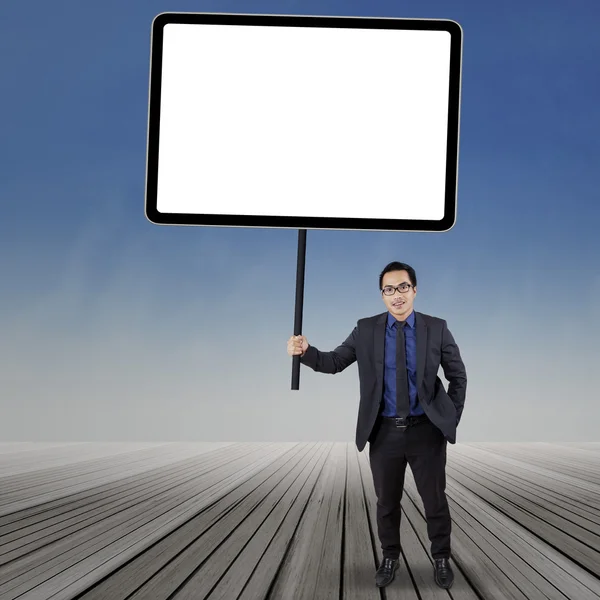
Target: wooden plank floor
288, 521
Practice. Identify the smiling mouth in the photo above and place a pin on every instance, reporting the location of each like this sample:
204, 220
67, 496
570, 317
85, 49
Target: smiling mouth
397, 304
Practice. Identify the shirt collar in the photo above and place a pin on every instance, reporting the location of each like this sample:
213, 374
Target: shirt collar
410, 321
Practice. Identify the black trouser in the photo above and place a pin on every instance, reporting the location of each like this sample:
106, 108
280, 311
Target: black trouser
423, 447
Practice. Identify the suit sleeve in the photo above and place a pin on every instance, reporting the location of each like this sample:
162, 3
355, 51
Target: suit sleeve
454, 371
334, 361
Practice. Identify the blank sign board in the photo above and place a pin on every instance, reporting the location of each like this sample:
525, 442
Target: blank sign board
303, 122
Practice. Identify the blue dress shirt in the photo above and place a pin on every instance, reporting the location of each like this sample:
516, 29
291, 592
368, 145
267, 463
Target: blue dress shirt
389, 370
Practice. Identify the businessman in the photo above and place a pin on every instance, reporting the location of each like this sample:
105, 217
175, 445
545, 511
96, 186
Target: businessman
405, 413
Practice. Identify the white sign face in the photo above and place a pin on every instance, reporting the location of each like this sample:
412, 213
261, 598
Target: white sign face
303, 122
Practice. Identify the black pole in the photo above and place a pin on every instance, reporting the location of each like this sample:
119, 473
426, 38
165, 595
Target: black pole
299, 303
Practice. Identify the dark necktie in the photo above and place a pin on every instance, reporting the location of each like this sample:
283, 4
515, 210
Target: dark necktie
402, 396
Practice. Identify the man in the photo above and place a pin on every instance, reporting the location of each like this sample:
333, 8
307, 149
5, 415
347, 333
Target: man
405, 413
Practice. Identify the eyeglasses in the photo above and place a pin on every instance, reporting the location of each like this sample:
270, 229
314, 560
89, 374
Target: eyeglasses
389, 290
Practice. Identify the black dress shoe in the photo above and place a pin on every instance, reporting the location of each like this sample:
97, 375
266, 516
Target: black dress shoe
442, 572
386, 572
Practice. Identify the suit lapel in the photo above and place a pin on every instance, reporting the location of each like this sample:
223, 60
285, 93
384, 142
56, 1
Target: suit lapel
379, 344
421, 347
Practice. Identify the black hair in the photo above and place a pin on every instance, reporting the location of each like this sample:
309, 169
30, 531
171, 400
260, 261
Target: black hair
398, 266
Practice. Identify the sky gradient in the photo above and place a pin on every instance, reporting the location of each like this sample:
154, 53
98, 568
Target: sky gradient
117, 329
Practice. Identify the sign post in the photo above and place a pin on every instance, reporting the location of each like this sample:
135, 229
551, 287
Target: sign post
299, 306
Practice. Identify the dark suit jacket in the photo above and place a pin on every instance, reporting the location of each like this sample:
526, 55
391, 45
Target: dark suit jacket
435, 347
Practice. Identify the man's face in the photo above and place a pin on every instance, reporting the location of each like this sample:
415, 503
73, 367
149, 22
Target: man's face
400, 304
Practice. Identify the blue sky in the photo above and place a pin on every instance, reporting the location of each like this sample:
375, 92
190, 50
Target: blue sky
119, 329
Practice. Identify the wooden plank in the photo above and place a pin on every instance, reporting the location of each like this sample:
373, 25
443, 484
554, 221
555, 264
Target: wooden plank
81, 504
570, 461
580, 491
197, 570
575, 465
417, 549
419, 565
482, 575
90, 461
255, 532
67, 484
312, 565
265, 521
535, 493
181, 551
547, 563
512, 573
360, 559
403, 586
416, 570
539, 488
69, 455
544, 523
36, 509
271, 541
23, 542
79, 553
51, 478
